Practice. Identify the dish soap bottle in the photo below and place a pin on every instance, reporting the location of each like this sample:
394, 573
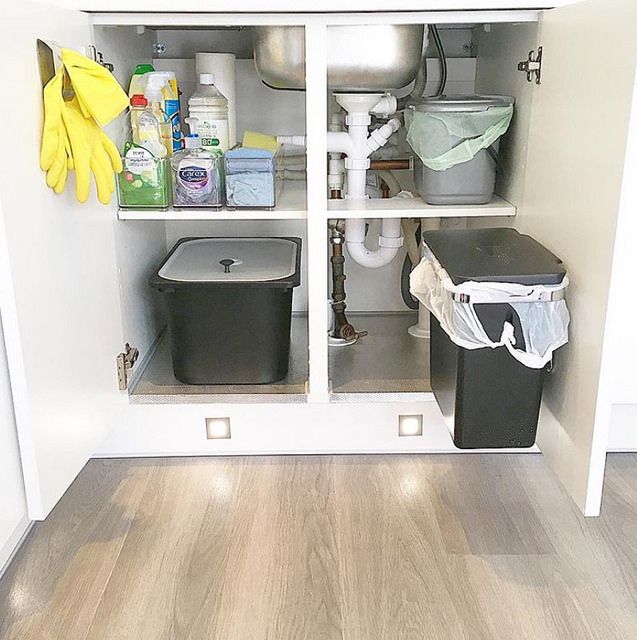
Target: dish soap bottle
197, 180
145, 127
210, 107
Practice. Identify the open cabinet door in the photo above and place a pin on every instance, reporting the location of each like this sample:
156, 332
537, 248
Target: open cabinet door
58, 277
575, 162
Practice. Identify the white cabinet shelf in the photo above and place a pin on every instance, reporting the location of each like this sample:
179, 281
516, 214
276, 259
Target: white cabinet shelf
291, 204
416, 208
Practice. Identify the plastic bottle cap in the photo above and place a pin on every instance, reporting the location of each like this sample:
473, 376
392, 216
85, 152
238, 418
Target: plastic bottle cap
193, 125
206, 78
138, 100
141, 69
192, 141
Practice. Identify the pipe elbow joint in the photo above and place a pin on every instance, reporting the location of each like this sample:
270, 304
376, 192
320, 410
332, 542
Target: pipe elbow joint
379, 137
390, 242
386, 106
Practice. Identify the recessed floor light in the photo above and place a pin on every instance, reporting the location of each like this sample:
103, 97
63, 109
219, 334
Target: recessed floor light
410, 425
218, 428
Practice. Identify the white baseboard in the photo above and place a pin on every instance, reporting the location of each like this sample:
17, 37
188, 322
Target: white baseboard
11, 546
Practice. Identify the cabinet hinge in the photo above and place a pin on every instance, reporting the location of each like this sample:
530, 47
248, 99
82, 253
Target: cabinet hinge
98, 56
532, 66
125, 363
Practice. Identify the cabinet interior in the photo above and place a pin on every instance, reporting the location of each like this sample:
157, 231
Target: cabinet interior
480, 59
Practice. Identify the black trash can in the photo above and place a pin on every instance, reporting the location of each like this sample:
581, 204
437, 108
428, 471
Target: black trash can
493, 399
229, 304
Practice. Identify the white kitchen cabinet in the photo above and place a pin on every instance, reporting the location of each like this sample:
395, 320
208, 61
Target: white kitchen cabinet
74, 276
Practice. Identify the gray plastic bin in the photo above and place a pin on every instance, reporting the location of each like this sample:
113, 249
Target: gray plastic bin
471, 182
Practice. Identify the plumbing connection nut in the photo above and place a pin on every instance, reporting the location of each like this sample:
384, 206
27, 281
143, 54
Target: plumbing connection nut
390, 243
360, 164
360, 119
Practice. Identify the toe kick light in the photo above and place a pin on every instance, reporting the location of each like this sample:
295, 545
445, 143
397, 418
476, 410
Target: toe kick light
218, 428
410, 425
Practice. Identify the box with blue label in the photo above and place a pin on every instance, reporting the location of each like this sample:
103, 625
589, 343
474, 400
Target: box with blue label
250, 179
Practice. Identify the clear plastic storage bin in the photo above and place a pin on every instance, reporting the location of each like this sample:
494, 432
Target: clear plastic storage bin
250, 179
144, 182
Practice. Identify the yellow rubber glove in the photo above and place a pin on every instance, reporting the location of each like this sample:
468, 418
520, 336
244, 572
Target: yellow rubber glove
55, 149
98, 92
92, 151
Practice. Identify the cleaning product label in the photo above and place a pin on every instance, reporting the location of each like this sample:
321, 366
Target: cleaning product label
214, 133
195, 179
139, 161
197, 182
144, 182
172, 111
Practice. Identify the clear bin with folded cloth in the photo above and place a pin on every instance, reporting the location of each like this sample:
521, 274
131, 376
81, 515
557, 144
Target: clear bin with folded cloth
250, 179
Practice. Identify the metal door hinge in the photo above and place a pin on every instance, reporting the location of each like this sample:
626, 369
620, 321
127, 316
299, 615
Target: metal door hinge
98, 57
125, 363
532, 66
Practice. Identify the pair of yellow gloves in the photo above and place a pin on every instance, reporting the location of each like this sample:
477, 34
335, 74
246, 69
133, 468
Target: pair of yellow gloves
72, 137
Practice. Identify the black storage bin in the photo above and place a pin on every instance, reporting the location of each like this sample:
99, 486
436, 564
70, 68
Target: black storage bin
229, 303
493, 400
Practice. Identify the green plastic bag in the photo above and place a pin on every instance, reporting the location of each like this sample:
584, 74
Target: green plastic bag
434, 135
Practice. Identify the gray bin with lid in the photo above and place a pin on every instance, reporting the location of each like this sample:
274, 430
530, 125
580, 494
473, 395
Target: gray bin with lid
471, 182
229, 304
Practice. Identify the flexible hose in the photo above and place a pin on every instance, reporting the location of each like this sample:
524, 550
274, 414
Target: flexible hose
408, 299
443, 60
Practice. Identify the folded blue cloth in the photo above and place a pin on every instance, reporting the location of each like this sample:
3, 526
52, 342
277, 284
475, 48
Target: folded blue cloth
250, 189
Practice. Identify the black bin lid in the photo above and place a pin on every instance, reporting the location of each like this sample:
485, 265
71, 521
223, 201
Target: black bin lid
494, 255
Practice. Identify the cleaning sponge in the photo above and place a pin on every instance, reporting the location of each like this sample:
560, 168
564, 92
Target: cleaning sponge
254, 140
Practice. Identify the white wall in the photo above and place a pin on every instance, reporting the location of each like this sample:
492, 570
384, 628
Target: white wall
13, 506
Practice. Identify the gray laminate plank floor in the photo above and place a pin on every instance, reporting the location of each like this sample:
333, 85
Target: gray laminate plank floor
482, 547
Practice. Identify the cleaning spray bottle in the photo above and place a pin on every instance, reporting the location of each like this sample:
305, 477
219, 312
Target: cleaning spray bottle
197, 178
139, 79
153, 94
169, 103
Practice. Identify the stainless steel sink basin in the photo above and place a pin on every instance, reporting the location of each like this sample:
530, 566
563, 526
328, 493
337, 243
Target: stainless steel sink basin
359, 58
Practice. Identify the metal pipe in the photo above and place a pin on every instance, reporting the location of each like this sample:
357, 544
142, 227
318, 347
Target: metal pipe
397, 164
390, 179
342, 328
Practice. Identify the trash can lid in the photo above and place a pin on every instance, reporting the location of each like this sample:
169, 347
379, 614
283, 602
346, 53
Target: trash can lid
462, 103
232, 260
494, 255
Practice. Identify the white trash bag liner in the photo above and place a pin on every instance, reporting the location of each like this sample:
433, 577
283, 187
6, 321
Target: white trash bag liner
544, 323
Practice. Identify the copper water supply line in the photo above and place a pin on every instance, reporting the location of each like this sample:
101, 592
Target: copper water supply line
394, 164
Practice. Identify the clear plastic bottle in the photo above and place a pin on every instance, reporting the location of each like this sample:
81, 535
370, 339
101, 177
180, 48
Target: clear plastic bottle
210, 107
145, 127
154, 96
197, 179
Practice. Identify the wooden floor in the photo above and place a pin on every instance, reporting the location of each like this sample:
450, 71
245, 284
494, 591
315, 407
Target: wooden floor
359, 548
